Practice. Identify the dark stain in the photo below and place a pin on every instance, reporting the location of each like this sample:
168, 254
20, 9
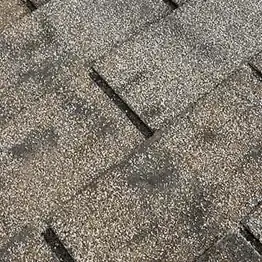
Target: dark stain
46, 37
41, 74
5, 115
206, 135
8, 112
211, 52
151, 228
34, 141
82, 110
45, 75
254, 154
77, 106
138, 77
199, 205
154, 178
21, 237
152, 112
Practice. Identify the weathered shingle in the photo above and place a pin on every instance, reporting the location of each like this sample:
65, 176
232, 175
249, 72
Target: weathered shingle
174, 62
56, 144
83, 28
11, 12
172, 201
232, 248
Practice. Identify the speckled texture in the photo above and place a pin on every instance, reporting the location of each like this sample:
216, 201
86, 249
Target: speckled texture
174, 62
11, 11
174, 200
257, 61
27, 246
232, 248
249, 84
254, 221
67, 133
39, 3
70, 159
83, 27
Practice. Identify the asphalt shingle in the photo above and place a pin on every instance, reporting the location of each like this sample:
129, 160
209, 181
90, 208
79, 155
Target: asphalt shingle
83, 27
70, 160
11, 11
174, 62
172, 201
27, 246
66, 134
232, 248
254, 224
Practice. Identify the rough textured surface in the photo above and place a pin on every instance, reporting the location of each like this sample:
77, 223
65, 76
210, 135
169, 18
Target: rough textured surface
82, 27
39, 3
26, 246
69, 133
254, 224
172, 201
232, 248
257, 61
164, 69
72, 161
11, 11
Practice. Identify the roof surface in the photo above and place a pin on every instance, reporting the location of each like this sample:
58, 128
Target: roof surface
131, 131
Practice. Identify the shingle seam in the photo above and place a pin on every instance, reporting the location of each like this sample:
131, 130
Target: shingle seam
157, 135
255, 71
251, 238
121, 104
56, 246
138, 149
30, 5
173, 5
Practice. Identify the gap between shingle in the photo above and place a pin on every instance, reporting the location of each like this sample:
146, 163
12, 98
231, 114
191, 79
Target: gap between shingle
121, 104
56, 246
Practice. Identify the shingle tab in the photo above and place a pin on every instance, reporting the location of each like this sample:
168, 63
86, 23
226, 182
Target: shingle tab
174, 62
82, 27
11, 11
232, 248
254, 221
66, 133
170, 202
26, 246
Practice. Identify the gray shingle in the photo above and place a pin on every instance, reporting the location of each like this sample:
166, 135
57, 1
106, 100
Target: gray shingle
83, 27
11, 11
170, 202
68, 133
27, 245
254, 222
174, 62
232, 248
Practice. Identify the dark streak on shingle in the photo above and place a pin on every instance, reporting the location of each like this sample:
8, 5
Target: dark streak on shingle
33, 142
